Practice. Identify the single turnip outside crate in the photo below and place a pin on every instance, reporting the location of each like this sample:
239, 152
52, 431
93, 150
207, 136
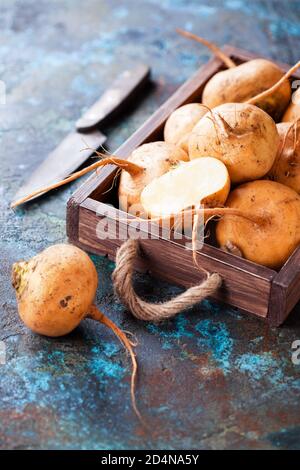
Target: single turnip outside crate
264, 292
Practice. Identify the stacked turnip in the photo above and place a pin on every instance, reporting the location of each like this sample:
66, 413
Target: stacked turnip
229, 156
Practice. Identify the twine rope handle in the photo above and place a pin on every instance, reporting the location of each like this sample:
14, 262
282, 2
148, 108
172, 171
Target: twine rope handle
122, 279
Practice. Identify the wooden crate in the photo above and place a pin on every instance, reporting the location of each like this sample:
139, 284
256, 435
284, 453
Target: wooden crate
264, 292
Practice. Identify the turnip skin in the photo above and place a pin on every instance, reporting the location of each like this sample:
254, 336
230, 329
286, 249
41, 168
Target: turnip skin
269, 243
247, 143
238, 84
181, 122
292, 112
55, 289
286, 168
156, 158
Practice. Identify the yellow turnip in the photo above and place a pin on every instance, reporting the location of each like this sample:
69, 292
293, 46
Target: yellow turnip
271, 241
55, 291
241, 135
181, 122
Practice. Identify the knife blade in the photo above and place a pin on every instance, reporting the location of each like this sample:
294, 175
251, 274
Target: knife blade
115, 99
69, 154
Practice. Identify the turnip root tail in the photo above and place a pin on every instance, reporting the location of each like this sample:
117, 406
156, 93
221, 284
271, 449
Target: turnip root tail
126, 165
122, 279
229, 211
221, 211
95, 314
215, 49
275, 87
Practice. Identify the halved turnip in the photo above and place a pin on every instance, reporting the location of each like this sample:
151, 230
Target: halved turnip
204, 181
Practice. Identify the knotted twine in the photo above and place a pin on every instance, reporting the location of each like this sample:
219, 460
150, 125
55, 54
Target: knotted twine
123, 284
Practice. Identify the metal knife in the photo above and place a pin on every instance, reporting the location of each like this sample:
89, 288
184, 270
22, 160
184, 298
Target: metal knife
68, 156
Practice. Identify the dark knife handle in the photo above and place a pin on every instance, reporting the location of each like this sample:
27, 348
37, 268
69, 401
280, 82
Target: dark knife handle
123, 89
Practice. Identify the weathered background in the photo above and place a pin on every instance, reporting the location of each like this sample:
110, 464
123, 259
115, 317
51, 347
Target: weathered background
213, 377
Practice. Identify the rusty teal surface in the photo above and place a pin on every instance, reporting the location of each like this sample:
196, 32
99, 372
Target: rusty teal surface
211, 378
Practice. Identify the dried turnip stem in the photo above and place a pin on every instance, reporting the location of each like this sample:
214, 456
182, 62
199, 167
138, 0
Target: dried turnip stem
130, 167
221, 211
209, 212
215, 49
275, 87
